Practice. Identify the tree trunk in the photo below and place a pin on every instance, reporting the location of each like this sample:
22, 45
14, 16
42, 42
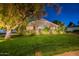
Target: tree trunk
8, 32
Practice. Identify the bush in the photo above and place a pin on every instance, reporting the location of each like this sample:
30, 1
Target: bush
46, 29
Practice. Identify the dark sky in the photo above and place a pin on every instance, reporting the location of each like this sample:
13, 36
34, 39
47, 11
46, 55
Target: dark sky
70, 12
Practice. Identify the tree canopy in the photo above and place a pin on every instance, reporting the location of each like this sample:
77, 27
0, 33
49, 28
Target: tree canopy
17, 15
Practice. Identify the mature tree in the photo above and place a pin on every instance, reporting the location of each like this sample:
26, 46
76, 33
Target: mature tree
57, 22
71, 24
8, 17
16, 15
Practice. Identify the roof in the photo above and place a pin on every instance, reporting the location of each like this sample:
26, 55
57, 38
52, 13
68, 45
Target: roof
42, 22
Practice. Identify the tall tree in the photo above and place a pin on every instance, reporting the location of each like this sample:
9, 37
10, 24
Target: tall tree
16, 15
57, 22
8, 18
71, 24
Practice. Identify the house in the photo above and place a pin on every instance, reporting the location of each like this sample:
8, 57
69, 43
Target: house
41, 24
73, 28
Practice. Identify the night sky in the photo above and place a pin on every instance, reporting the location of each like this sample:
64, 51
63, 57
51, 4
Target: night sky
70, 12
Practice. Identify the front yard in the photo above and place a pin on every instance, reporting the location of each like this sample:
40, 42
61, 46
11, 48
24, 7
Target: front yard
46, 45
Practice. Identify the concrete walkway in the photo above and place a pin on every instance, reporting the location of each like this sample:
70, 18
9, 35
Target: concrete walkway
71, 53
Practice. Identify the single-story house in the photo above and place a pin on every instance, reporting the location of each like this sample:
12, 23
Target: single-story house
73, 28
41, 24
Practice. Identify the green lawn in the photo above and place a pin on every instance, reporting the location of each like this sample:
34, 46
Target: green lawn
47, 44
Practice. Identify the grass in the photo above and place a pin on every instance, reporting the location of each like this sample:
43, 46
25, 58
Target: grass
46, 44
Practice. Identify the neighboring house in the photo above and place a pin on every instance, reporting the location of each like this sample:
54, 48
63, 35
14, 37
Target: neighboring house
73, 28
